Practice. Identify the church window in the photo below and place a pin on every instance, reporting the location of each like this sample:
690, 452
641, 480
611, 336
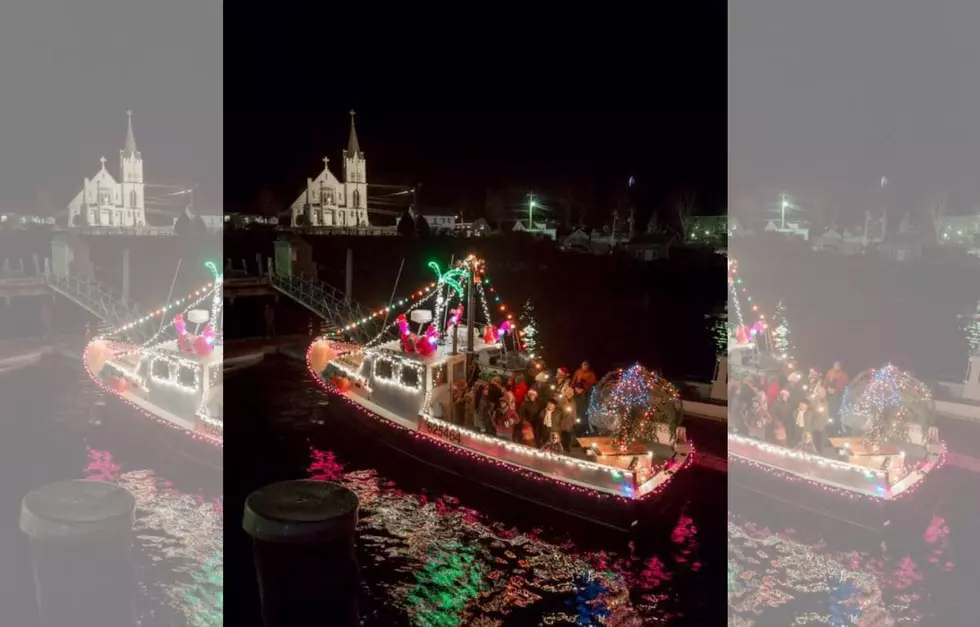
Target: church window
357, 198
132, 198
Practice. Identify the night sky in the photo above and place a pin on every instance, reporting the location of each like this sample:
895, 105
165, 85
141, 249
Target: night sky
462, 116
70, 70
828, 97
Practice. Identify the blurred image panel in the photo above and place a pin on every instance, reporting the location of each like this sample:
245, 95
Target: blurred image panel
111, 310
854, 313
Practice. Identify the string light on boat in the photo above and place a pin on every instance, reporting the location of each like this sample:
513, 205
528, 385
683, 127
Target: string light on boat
882, 494
397, 367
762, 323
425, 293
511, 467
198, 295
206, 437
173, 366
817, 460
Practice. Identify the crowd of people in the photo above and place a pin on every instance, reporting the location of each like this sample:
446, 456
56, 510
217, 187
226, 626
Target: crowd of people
790, 409
533, 408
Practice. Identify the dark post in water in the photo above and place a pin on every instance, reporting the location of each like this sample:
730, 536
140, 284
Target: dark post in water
81, 545
303, 544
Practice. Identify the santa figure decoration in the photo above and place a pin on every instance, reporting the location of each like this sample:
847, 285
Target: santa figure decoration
490, 335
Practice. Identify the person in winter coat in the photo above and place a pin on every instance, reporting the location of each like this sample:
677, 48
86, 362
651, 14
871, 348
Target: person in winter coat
782, 414
802, 422
569, 418
835, 382
584, 378
520, 391
553, 445
550, 421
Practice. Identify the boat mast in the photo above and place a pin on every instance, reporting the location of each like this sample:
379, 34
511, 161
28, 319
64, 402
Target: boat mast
470, 317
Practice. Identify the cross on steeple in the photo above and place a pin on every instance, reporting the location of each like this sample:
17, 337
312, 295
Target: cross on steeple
326, 162
102, 159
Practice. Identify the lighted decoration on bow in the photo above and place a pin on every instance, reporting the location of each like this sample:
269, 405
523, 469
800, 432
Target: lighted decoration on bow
455, 316
490, 334
412, 343
184, 339
204, 344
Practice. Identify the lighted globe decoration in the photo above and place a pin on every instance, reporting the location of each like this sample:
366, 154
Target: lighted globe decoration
881, 404
632, 404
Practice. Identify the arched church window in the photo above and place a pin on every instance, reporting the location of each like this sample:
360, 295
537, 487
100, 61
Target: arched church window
132, 198
357, 198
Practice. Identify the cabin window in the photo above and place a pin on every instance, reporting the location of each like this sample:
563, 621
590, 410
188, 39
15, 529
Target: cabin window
383, 370
410, 378
187, 377
459, 370
439, 375
160, 369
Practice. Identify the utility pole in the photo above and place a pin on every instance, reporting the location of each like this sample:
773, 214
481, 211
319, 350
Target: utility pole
470, 318
530, 211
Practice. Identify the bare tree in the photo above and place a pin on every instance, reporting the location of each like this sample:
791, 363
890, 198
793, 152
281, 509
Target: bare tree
937, 211
683, 210
496, 210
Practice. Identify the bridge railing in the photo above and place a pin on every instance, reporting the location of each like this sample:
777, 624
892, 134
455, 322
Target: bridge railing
100, 300
327, 302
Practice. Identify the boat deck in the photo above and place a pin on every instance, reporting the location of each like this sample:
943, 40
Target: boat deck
575, 468
839, 475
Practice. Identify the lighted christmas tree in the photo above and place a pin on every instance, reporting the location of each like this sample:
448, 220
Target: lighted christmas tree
780, 331
631, 403
529, 325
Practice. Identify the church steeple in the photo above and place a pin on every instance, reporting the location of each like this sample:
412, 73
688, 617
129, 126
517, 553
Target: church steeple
353, 148
129, 148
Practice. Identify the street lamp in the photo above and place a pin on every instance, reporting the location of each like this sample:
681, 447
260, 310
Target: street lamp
530, 211
782, 221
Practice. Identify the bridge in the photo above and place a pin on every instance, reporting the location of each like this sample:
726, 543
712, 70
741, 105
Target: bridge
109, 306
329, 304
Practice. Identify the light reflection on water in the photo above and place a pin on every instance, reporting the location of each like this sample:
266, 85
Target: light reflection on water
783, 578
443, 564
180, 537
58, 434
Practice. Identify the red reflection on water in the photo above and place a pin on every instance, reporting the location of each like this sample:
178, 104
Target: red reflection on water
324, 466
101, 467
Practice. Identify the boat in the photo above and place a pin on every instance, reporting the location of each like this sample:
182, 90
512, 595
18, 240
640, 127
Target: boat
403, 390
866, 478
174, 376
962, 400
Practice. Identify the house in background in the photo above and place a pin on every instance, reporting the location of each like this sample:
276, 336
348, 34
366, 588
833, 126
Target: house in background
792, 229
836, 241
577, 241
540, 229
439, 220
902, 246
651, 246
958, 229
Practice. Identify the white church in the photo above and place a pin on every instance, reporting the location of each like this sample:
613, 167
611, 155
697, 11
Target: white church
104, 201
328, 202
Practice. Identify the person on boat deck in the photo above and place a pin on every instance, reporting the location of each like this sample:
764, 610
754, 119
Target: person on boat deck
530, 411
779, 434
569, 418
806, 444
761, 420
505, 419
802, 421
835, 382
550, 421
520, 390
746, 394
483, 409
820, 420
562, 380
772, 389
553, 445
584, 377
782, 415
